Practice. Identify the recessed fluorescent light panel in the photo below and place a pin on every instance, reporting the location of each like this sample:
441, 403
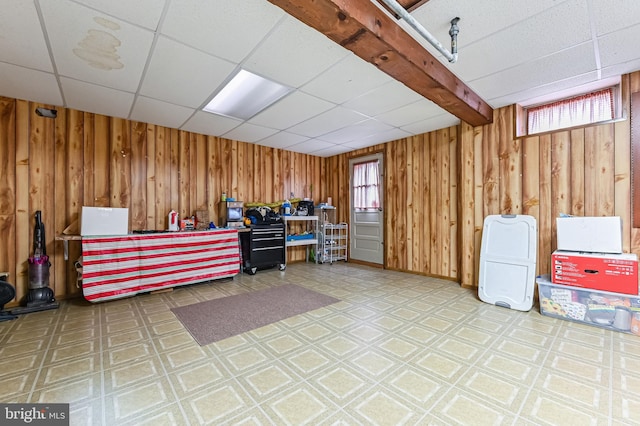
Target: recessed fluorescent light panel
246, 95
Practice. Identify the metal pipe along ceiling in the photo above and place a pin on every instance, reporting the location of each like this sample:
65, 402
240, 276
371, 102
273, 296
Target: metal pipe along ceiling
453, 32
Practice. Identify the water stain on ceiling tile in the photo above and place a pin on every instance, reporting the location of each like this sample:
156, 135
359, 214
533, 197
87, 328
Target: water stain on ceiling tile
99, 48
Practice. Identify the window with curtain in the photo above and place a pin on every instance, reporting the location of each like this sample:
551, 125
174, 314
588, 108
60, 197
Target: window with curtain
366, 185
576, 111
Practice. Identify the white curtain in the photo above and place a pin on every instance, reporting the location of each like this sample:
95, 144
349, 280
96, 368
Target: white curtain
366, 185
584, 109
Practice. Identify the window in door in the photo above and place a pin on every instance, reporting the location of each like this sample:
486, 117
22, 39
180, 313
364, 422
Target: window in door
366, 185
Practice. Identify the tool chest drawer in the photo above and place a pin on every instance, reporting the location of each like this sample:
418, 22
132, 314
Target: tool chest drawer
270, 238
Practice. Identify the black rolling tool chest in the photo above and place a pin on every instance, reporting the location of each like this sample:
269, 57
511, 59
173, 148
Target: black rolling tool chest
263, 247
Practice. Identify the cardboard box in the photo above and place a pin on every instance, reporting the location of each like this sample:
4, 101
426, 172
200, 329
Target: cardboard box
590, 234
202, 219
607, 272
104, 221
614, 311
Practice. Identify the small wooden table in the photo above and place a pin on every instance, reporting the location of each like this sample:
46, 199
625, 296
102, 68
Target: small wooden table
65, 242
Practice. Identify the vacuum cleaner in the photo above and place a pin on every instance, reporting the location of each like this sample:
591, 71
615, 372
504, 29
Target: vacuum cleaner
40, 296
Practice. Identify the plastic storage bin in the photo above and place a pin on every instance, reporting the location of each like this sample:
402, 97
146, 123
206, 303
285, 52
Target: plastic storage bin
613, 311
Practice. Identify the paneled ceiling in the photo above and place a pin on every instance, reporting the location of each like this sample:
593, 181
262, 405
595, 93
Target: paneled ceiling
161, 61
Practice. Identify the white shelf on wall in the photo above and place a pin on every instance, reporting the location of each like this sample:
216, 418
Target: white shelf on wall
310, 224
305, 242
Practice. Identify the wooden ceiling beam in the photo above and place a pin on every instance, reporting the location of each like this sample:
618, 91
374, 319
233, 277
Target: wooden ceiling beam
413, 5
409, 6
367, 31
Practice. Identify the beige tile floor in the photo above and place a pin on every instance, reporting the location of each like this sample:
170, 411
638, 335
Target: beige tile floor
398, 349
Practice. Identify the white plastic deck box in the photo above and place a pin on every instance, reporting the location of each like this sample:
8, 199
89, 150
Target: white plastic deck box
590, 234
508, 261
104, 221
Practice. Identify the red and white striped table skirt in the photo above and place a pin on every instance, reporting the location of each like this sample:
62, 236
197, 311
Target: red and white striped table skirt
121, 266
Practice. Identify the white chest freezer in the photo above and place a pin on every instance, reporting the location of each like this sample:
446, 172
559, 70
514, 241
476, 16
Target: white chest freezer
508, 261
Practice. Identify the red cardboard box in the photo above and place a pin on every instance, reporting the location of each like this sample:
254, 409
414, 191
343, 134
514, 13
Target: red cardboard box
607, 272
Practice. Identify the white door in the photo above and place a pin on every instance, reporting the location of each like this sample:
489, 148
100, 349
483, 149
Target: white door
367, 215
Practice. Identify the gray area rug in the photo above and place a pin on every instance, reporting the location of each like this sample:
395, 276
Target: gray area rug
219, 319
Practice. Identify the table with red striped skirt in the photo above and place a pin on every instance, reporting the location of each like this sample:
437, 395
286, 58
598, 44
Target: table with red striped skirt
119, 266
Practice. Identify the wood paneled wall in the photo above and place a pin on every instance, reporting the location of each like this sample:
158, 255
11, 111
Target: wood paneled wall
420, 199
59, 165
439, 186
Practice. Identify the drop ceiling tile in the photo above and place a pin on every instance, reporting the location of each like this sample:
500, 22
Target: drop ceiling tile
153, 111
209, 124
384, 98
291, 110
310, 146
515, 45
349, 78
145, 13
91, 46
382, 137
477, 20
441, 121
31, 85
554, 90
560, 66
619, 47
97, 99
227, 29
21, 41
357, 131
411, 113
331, 151
294, 53
609, 19
247, 132
621, 69
182, 75
282, 140
334, 119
